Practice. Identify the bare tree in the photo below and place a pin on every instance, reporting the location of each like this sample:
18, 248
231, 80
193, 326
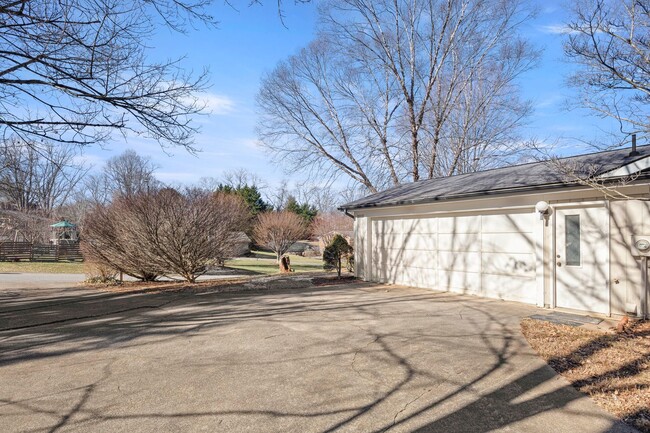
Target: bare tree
327, 225
609, 41
278, 231
165, 232
388, 86
129, 174
38, 176
124, 175
17, 226
240, 177
74, 70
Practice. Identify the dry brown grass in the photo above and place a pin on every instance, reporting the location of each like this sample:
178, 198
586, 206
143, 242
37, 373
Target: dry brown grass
613, 369
173, 286
234, 284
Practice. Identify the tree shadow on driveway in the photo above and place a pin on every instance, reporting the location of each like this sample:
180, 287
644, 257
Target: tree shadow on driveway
346, 358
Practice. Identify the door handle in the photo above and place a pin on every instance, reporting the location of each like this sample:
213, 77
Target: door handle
559, 264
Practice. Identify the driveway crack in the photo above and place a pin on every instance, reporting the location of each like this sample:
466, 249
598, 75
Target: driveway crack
356, 352
408, 404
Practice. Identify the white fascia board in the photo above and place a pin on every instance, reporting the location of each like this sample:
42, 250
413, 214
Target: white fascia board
629, 169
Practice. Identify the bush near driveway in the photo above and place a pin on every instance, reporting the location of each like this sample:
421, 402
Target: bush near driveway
163, 232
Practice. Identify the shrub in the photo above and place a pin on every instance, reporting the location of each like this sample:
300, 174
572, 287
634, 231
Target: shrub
335, 253
99, 273
165, 232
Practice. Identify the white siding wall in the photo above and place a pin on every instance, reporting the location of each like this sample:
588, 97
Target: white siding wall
490, 255
360, 245
627, 218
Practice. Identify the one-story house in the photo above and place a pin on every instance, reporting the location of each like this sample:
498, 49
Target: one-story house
241, 244
569, 234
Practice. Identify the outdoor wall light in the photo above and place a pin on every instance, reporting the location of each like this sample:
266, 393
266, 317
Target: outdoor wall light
542, 209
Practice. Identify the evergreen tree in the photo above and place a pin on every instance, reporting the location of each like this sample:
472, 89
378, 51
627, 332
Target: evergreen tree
305, 210
334, 254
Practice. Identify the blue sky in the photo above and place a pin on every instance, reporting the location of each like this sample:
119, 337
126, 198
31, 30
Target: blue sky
251, 41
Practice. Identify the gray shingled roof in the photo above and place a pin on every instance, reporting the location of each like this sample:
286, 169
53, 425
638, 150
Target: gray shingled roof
516, 178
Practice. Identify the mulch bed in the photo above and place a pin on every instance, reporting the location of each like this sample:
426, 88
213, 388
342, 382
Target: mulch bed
280, 281
171, 286
613, 368
330, 281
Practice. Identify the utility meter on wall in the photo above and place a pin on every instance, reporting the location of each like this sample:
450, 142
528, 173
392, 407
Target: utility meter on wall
641, 245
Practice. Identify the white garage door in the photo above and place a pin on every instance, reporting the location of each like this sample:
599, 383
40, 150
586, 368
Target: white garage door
487, 255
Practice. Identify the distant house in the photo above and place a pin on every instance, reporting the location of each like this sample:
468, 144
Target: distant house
522, 233
241, 244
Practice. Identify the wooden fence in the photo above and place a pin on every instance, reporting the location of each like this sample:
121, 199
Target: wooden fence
14, 251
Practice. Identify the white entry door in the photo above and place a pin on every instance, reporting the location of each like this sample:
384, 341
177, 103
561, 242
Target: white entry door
582, 259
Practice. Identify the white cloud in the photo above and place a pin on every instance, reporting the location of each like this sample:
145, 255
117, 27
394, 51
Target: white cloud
555, 29
216, 104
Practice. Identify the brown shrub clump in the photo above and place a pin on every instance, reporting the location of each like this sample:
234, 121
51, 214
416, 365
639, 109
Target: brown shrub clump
164, 232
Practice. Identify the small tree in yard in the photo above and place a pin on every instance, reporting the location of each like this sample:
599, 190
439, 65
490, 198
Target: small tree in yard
278, 231
335, 252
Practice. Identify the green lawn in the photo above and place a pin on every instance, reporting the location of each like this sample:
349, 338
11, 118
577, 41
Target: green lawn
265, 263
261, 263
43, 267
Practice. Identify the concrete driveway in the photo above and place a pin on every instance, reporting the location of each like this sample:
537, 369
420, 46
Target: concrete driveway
356, 358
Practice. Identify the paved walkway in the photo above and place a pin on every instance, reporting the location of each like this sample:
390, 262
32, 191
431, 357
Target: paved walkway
357, 358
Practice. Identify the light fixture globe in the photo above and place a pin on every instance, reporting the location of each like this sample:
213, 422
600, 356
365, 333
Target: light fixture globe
542, 207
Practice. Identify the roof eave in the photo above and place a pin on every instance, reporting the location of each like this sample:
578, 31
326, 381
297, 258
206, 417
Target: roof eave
504, 191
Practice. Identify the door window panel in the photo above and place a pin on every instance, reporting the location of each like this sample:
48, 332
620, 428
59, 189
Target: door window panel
572, 240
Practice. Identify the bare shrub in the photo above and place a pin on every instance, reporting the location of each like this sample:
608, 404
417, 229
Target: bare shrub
193, 230
99, 273
165, 232
327, 225
278, 231
109, 238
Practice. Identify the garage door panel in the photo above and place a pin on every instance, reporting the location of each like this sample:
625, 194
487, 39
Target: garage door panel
464, 262
508, 223
459, 242
423, 242
421, 226
417, 277
422, 259
460, 282
390, 241
397, 257
459, 224
508, 243
392, 226
508, 287
522, 265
